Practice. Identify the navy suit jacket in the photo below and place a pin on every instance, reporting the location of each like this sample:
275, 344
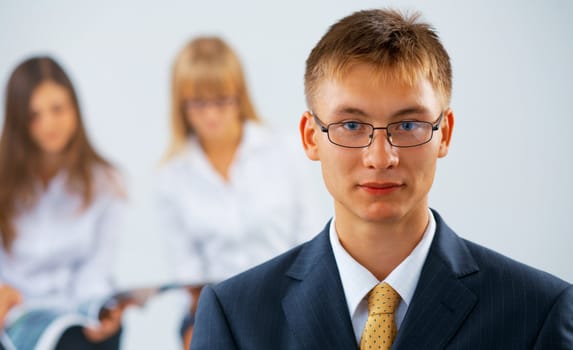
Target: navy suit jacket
468, 297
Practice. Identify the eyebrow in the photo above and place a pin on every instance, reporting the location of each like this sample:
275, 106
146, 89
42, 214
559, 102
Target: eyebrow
354, 111
344, 110
409, 111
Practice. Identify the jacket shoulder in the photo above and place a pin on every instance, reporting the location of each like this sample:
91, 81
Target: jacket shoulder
506, 270
264, 278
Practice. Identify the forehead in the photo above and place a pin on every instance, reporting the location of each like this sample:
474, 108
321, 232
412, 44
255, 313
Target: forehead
49, 91
207, 87
364, 88
209, 91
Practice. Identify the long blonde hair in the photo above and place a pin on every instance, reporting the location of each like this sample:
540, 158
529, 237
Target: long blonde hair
205, 66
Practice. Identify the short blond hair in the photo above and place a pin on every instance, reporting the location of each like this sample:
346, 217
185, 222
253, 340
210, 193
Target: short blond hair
205, 67
399, 46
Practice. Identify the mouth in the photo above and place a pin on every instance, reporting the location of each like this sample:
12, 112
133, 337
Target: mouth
53, 138
380, 188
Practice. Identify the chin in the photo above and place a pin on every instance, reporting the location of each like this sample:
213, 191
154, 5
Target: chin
53, 149
382, 214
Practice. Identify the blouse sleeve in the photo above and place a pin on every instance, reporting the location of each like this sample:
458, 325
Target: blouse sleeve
182, 250
94, 275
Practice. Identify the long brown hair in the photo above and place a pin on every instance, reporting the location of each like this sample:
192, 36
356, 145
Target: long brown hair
19, 155
206, 65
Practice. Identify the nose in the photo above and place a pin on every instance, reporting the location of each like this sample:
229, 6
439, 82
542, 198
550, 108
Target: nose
208, 111
50, 121
43, 120
380, 154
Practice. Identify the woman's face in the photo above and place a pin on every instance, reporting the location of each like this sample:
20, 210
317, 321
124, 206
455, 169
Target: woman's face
215, 117
54, 119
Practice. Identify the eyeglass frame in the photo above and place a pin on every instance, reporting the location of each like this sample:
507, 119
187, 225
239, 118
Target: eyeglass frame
325, 129
198, 104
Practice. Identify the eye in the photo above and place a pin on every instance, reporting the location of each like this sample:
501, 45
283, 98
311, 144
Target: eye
224, 101
407, 125
195, 104
57, 109
352, 126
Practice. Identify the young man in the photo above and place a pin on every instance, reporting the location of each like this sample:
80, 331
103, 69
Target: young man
386, 271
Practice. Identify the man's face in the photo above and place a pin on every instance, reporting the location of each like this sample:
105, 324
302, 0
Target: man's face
379, 183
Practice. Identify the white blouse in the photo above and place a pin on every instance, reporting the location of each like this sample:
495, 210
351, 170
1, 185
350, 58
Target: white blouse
62, 254
216, 228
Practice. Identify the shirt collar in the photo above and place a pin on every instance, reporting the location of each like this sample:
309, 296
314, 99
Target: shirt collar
357, 281
55, 187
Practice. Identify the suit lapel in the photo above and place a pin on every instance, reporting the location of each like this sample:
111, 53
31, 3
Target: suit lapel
315, 306
441, 302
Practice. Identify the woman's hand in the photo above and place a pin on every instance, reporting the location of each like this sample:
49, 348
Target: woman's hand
188, 334
194, 292
109, 325
9, 297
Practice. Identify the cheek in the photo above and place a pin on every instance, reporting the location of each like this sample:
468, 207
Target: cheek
35, 129
70, 124
197, 124
230, 117
336, 169
330, 181
189, 119
34, 135
425, 168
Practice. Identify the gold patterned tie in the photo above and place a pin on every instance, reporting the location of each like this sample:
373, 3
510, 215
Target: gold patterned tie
380, 329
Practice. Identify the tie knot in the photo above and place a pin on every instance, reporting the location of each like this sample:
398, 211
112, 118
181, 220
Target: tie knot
382, 299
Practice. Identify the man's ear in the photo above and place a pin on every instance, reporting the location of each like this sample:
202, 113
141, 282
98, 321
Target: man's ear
308, 136
446, 127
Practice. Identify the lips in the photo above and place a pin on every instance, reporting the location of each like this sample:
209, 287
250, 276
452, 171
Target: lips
380, 188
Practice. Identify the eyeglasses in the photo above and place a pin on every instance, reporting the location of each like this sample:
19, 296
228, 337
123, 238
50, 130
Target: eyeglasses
403, 134
197, 104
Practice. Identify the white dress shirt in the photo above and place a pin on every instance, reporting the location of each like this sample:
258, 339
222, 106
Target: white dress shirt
63, 255
357, 281
216, 228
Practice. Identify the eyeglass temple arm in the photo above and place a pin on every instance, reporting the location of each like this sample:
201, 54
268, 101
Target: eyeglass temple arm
436, 125
323, 128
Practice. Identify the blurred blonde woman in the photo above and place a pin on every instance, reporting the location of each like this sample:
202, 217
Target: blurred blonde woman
230, 196
60, 204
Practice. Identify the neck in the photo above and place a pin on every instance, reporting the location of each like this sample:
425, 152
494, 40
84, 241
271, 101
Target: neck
221, 152
381, 246
50, 164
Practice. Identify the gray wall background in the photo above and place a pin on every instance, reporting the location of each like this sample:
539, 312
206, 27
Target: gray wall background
505, 184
